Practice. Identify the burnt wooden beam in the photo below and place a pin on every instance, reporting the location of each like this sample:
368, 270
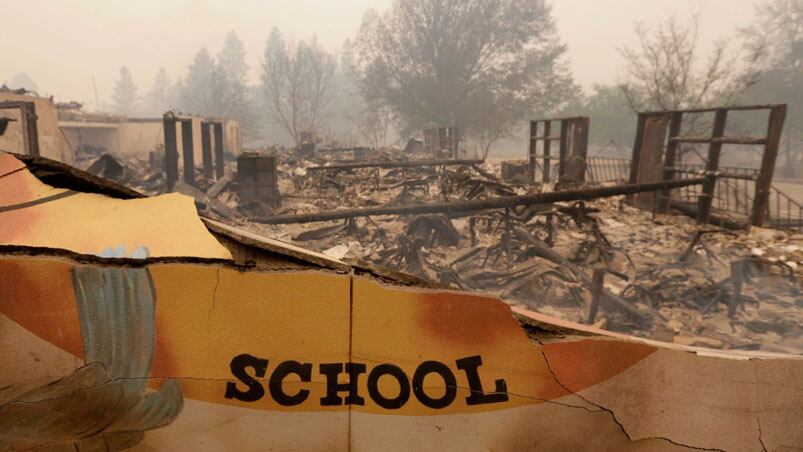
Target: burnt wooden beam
220, 164
691, 211
532, 164
597, 285
714, 109
206, 149
565, 118
578, 160
636, 157
722, 140
563, 148
349, 149
670, 157
482, 204
764, 182
31, 129
720, 174
711, 166
404, 164
547, 150
188, 151
171, 151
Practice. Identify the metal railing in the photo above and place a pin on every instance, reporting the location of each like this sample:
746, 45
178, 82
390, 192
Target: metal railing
571, 139
608, 169
733, 193
785, 212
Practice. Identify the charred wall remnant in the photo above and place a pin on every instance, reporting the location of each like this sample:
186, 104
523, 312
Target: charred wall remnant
442, 141
657, 155
572, 148
28, 118
258, 179
307, 142
211, 133
358, 153
516, 171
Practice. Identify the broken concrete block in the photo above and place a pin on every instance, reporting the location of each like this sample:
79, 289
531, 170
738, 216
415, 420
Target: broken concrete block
515, 171
258, 179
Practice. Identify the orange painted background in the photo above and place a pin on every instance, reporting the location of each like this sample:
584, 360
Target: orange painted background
207, 314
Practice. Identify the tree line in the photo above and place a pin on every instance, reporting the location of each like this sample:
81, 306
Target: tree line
215, 87
486, 66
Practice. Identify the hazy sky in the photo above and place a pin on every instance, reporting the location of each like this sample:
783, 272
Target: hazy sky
63, 43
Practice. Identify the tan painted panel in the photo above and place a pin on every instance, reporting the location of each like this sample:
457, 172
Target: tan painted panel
203, 318
35, 214
212, 340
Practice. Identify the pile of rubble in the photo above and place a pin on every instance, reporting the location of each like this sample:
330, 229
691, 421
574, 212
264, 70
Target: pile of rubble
662, 277
666, 278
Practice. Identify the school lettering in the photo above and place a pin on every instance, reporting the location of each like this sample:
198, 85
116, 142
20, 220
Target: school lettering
342, 383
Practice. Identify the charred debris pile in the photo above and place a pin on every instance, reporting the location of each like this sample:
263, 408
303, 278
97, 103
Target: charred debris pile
595, 259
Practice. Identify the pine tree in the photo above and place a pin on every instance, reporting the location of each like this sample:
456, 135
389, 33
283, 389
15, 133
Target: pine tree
232, 59
158, 99
125, 93
219, 88
235, 100
196, 95
347, 102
